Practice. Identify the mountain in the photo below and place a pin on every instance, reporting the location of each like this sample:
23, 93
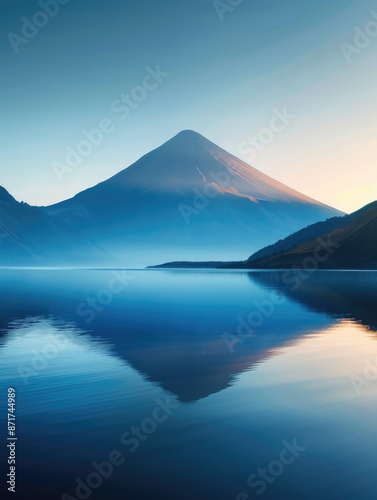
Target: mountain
353, 240
28, 236
187, 200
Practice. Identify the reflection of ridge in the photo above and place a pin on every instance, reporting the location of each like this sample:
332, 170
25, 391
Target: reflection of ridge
39, 331
192, 367
169, 345
39, 346
339, 294
195, 368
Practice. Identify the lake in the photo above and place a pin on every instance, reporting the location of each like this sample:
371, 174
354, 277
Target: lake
190, 385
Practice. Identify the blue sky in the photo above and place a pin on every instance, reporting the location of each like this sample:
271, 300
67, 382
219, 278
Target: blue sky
226, 79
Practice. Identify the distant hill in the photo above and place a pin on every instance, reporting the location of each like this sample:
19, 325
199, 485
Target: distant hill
301, 236
28, 236
354, 240
188, 265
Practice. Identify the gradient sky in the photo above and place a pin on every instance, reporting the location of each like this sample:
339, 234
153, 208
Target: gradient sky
225, 80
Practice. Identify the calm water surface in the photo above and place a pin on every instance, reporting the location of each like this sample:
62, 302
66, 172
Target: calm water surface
192, 382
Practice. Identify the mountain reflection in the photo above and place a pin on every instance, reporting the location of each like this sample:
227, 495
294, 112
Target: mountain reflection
179, 343
170, 327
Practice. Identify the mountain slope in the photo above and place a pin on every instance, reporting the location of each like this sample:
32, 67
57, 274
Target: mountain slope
353, 239
188, 200
28, 236
301, 236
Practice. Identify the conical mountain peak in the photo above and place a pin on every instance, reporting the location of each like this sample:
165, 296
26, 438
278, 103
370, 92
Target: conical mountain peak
188, 199
187, 134
187, 139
